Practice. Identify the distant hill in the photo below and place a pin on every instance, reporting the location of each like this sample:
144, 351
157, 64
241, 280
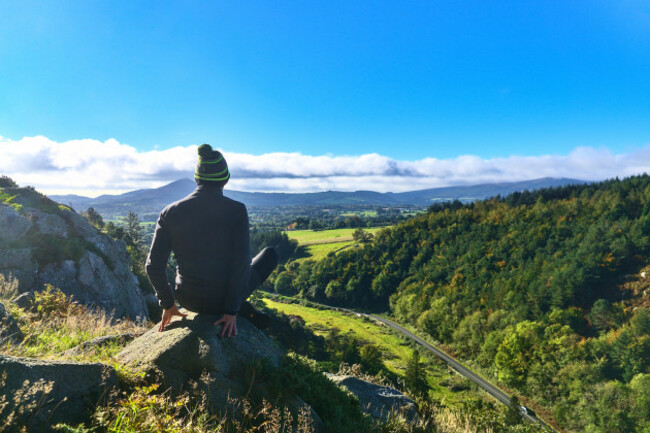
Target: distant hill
151, 201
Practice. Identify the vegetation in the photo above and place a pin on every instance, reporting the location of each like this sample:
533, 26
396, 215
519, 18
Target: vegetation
341, 336
94, 218
527, 287
56, 323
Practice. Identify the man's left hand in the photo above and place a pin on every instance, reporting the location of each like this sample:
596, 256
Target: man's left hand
167, 316
229, 325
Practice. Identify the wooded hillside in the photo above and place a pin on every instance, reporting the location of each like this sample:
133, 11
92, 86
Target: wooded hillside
543, 290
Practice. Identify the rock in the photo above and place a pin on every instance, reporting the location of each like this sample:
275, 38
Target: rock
17, 271
13, 226
9, 329
79, 225
98, 342
39, 394
377, 401
59, 247
25, 301
91, 282
191, 349
48, 223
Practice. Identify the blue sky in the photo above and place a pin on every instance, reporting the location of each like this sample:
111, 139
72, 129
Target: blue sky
408, 80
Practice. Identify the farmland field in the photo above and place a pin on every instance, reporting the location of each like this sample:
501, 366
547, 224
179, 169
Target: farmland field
317, 244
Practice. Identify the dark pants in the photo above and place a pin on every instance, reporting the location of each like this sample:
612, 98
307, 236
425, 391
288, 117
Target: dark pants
261, 267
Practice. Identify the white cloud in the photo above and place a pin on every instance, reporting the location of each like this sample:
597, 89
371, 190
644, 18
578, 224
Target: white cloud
91, 167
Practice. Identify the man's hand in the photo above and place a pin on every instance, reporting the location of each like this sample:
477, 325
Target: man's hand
229, 325
167, 316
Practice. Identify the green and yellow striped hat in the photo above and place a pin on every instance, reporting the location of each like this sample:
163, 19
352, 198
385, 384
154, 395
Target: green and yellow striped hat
211, 165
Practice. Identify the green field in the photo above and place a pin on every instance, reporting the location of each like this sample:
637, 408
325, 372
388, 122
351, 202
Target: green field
317, 244
395, 349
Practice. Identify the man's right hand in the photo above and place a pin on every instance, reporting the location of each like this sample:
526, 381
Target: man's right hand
229, 325
167, 316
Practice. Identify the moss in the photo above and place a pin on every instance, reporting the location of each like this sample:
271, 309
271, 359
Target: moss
8, 198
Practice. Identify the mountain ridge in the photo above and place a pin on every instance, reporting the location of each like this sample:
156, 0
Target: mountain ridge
145, 201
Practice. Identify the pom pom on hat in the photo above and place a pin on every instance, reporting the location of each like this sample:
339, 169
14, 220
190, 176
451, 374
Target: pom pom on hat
205, 150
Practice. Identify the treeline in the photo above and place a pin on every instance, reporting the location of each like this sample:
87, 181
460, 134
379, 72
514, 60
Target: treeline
324, 217
525, 286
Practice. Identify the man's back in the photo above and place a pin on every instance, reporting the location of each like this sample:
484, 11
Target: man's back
209, 236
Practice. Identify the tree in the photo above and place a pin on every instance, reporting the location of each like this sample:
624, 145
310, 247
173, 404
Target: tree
7, 182
133, 228
283, 283
361, 236
604, 316
94, 217
513, 413
416, 377
371, 359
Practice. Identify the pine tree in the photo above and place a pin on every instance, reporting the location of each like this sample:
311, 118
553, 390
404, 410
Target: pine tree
416, 377
94, 217
133, 228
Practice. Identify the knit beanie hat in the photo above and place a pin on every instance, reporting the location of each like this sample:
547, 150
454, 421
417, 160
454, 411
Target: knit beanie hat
211, 165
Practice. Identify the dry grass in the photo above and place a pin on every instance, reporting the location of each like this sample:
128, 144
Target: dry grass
56, 323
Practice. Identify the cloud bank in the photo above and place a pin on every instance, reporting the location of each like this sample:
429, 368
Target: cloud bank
91, 167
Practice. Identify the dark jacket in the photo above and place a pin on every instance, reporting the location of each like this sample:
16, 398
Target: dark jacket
208, 234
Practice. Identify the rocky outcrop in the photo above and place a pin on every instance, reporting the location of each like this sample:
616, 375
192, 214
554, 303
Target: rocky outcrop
191, 353
377, 401
191, 348
9, 330
38, 394
46, 243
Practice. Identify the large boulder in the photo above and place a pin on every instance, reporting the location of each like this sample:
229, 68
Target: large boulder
48, 243
38, 394
192, 350
49, 223
377, 401
9, 330
13, 226
17, 270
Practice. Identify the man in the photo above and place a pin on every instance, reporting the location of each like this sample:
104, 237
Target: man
209, 236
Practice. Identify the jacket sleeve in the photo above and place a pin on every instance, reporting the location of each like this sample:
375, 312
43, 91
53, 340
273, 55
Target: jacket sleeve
156, 266
241, 265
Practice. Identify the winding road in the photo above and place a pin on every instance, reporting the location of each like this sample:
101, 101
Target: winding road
460, 368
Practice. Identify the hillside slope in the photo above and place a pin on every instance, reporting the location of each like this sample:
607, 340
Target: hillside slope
530, 287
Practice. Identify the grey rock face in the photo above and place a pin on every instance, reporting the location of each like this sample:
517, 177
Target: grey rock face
39, 394
9, 329
17, 270
192, 349
377, 401
48, 223
13, 226
93, 268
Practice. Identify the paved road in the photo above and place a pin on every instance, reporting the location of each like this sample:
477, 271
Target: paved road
460, 368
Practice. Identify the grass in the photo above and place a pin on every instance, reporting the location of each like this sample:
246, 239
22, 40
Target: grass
318, 244
446, 387
57, 324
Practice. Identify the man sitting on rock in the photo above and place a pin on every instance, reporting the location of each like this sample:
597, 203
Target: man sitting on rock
208, 234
